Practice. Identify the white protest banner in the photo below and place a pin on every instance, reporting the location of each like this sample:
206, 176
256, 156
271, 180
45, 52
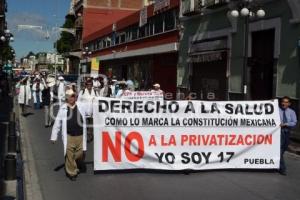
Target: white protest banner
143, 95
177, 135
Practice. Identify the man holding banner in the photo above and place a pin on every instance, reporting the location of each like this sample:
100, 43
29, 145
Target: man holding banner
288, 121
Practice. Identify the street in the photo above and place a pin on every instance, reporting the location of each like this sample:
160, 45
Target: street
50, 180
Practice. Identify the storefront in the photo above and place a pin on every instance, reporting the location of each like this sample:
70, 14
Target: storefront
208, 63
141, 47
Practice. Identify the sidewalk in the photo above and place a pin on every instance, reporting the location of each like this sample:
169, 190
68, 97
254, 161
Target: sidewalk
5, 107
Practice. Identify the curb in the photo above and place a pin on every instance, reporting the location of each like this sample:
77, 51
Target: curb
32, 188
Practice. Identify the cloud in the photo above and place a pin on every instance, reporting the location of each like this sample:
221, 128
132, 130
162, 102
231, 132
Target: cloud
32, 19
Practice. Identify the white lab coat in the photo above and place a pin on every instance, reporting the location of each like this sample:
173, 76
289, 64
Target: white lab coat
25, 94
34, 93
96, 84
60, 124
61, 92
86, 96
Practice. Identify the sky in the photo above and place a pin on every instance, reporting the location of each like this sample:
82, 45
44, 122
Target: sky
46, 13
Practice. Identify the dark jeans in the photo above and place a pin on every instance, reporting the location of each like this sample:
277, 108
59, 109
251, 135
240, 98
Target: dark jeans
37, 105
284, 143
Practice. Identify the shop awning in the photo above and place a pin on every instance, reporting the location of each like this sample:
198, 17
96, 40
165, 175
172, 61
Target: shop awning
207, 56
166, 48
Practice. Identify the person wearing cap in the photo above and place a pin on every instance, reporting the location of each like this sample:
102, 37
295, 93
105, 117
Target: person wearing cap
61, 90
71, 123
156, 88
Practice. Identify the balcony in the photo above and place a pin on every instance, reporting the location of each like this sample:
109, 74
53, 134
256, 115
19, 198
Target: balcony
191, 7
214, 4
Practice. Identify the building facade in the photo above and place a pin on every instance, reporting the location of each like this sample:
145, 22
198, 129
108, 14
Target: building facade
142, 46
212, 45
212, 51
92, 15
3, 25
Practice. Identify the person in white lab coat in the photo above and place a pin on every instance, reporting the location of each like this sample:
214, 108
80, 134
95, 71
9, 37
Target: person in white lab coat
71, 123
37, 89
24, 95
87, 95
96, 84
61, 90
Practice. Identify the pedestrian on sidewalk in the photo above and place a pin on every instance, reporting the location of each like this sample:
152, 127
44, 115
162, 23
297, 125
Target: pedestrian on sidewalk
288, 121
24, 95
71, 122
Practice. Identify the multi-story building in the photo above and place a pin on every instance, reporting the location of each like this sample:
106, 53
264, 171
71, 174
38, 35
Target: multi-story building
3, 26
221, 53
3, 9
142, 46
92, 15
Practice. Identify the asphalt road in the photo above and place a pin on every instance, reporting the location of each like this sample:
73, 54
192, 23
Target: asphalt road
206, 185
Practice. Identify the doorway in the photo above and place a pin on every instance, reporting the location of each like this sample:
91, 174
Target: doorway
261, 66
208, 81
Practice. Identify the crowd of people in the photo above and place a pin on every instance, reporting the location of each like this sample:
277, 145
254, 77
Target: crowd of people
73, 100
74, 118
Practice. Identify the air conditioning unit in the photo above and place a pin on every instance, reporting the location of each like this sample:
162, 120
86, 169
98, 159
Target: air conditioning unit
213, 4
191, 7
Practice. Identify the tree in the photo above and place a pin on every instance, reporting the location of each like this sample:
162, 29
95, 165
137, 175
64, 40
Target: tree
7, 53
30, 54
64, 44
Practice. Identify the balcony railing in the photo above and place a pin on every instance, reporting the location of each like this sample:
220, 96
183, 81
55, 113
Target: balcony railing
211, 4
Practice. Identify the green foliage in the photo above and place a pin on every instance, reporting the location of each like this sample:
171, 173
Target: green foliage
64, 44
7, 53
30, 54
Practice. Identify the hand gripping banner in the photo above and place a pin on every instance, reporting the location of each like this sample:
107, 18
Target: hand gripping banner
177, 135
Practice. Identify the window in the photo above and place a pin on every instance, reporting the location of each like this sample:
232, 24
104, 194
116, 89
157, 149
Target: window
142, 32
100, 44
108, 41
104, 43
122, 37
134, 33
128, 35
158, 24
170, 21
117, 40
